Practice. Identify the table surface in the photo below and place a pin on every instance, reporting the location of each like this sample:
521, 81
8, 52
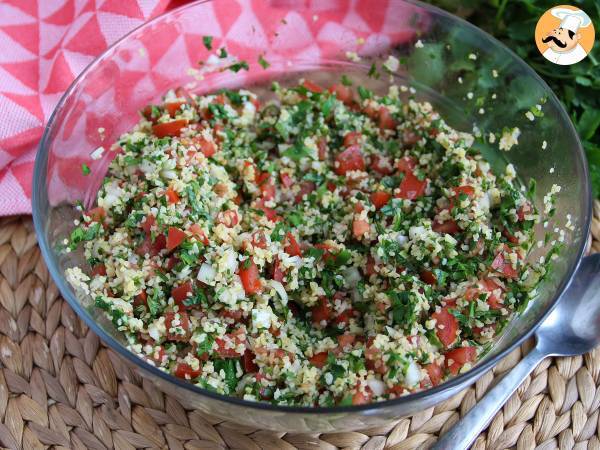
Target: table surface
60, 387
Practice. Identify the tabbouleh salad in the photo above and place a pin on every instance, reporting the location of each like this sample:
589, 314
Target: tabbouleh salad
329, 247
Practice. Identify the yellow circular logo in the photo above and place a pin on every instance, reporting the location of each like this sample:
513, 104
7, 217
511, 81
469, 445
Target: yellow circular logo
564, 35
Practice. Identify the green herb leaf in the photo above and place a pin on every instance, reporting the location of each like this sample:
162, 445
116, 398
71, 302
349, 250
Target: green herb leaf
263, 62
207, 40
85, 170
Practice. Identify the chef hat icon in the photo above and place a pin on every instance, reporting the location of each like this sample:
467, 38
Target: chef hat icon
571, 19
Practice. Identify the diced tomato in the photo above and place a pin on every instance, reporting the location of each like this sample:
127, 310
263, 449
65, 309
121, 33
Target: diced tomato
360, 227
410, 138
358, 207
468, 190
343, 319
236, 314
224, 350
270, 213
250, 277
147, 225
180, 293
322, 148
207, 147
291, 246
428, 277
492, 288
184, 323
524, 210
182, 92
407, 164
266, 185
312, 87
259, 239
286, 180
97, 214
380, 199
306, 187
165, 129
278, 274
352, 138
458, 357
98, 270
173, 107
386, 121
185, 371
370, 266
158, 355
446, 326
435, 373
141, 299
381, 165
248, 361
319, 360
362, 397
147, 113
152, 248
199, 233
411, 187
321, 311
504, 267
175, 238
228, 218
448, 227
172, 262
343, 93
349, 159
344, 340
508, 235
172, 196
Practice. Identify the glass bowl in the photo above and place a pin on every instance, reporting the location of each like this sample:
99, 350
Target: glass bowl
473, 80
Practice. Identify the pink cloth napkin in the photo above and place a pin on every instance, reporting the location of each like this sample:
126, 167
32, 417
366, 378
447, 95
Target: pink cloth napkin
44, 44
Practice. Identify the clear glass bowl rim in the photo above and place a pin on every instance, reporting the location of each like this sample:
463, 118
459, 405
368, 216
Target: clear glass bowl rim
39, 176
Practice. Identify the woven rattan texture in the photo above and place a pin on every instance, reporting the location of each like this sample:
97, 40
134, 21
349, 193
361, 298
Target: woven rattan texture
60, 387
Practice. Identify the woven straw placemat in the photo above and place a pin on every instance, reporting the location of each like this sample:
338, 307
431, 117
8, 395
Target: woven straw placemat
60, 387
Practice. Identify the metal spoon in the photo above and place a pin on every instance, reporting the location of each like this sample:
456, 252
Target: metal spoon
573, 328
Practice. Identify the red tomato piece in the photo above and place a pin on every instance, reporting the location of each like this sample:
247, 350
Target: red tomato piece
147, 225
380, 199
446, 326
141, 299
312, 87
319, 360
458, 357
172, 128
185, 371
199, 233
352, 138
180, 293
448, 227
207, 147
172, 196
381, 165
370, 266
524, 210
344, 340
248, 361
321, 311
173, 107
286, 180
152, 248
435, 373
386, 121
228, 218
183, 323
175, 238
97, 214
270, 213
511, 238
349, 159
322, 148
343, 93
428, 277
224, 350
468, 190
250, 277
266, 185
360, 227
291, 246
98, 270
407, 164
504, 267
306, 187
278, 274
411, 187
362, 397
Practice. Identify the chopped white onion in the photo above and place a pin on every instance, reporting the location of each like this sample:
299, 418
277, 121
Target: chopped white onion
401, 239
280, 290
413, 374
377, 386
352, 277
207, 273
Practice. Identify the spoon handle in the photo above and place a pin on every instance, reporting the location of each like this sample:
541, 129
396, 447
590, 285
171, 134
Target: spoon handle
466, 430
